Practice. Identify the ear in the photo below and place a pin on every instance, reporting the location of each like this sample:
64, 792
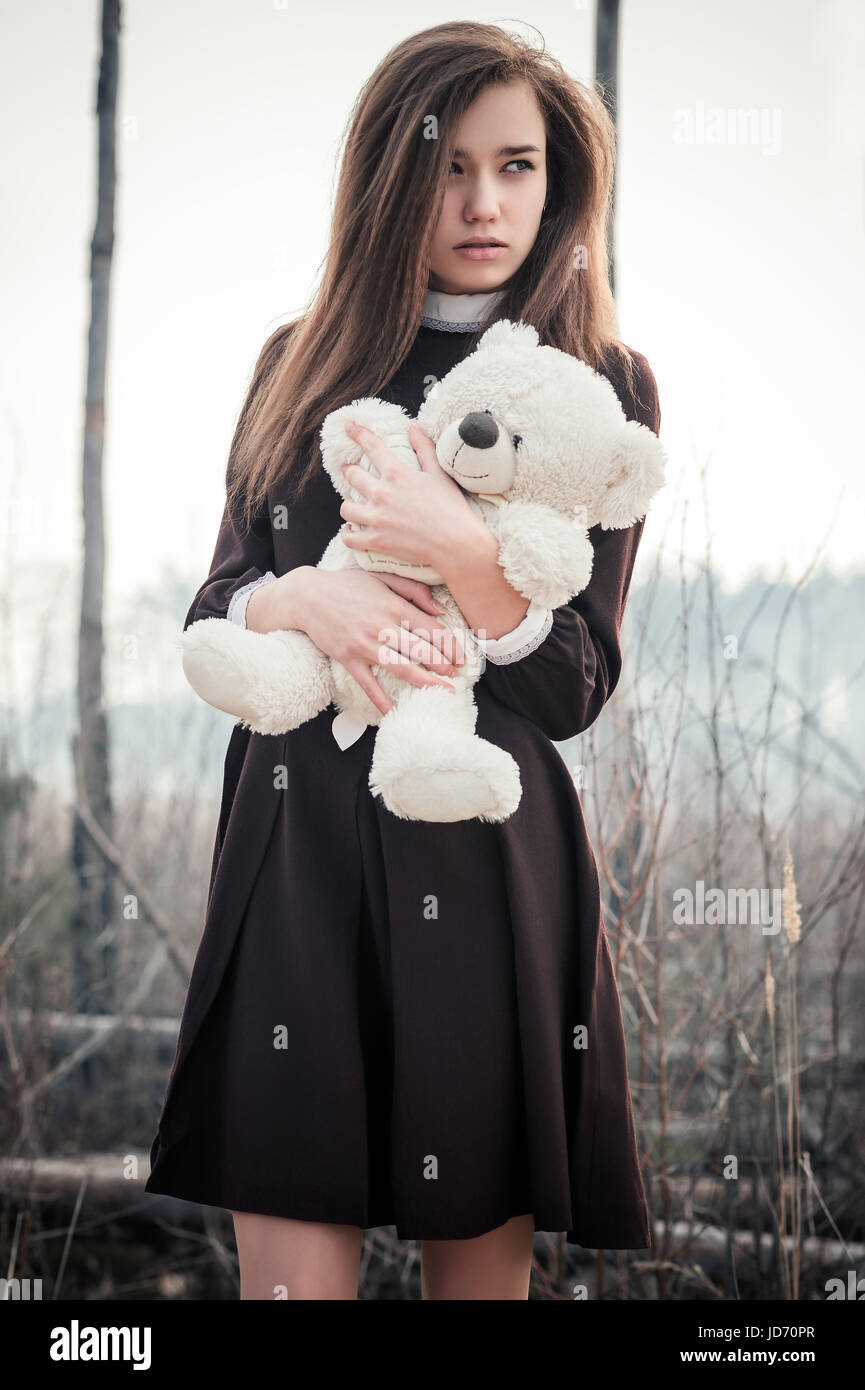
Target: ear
507, 333
636, 474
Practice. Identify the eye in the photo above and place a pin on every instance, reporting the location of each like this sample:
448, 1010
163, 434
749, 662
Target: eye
517, 440
507, 169
487, 412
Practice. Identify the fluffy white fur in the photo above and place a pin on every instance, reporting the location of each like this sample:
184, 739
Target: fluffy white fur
543, 450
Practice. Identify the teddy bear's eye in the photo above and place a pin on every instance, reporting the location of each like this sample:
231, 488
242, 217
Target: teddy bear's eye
487, 412
517, 440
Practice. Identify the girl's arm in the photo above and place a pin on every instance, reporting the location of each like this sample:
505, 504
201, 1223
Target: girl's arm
564, 682
240, 557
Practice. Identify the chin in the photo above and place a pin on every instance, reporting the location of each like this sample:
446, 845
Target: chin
482, 277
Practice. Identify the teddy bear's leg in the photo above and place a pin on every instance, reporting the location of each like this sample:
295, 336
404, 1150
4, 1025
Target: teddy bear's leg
270, 681
428, 763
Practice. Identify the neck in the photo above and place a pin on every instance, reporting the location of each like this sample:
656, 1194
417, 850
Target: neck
467, 310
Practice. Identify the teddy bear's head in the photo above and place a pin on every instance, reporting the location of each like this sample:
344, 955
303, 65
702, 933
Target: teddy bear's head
535, 424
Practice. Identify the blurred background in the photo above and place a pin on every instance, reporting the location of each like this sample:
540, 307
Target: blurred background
732, 754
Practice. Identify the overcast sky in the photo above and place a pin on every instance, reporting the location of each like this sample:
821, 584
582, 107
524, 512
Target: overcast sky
740, 264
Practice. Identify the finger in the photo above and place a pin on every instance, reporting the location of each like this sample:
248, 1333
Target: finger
375, 449
369, 685
409, 670
438, 647
424, 447
414, 590
356, 540
426, 636
428, 646
418, 599
358, 512
361, 480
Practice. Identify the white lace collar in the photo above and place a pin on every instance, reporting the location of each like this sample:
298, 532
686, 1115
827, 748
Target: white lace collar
459, 313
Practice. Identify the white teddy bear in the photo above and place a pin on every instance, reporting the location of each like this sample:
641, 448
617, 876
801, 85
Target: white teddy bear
542, 448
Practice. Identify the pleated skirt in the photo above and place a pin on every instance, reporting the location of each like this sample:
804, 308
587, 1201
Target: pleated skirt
365, 1068
397, 1023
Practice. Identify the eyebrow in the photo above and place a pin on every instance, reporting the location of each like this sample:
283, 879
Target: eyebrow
506, 149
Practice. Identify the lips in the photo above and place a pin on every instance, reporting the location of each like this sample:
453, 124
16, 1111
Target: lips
480, 241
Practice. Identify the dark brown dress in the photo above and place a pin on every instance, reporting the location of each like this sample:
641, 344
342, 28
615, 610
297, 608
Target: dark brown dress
379, 1026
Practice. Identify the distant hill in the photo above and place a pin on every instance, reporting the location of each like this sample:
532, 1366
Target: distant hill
804, 649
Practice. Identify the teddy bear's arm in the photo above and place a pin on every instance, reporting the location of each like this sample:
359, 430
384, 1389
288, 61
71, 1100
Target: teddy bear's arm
563, 684
545, 556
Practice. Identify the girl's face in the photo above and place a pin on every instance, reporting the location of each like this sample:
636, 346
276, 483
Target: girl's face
496, 188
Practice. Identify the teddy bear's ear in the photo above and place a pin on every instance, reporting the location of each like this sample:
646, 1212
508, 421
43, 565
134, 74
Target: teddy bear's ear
636, 474
506, 332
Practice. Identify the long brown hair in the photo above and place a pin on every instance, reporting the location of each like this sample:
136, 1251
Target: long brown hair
363, 319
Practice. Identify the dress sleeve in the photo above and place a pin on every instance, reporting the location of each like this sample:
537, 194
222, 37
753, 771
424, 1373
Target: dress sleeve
514, 645
240, 557
563, 683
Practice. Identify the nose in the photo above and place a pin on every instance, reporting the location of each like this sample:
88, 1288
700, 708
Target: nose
481, 199
478, 429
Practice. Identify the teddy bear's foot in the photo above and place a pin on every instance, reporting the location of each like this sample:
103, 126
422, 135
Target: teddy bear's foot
427, 772
271, 682
452, 794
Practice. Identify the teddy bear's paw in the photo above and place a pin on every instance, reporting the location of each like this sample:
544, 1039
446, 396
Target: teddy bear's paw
462, 778
270, 682
386, 419
546, 557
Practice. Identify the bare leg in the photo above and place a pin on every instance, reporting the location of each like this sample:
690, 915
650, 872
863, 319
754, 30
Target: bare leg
282, 1258
496, 1265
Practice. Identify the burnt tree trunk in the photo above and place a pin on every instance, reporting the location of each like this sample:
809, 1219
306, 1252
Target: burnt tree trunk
607, 73
92, 927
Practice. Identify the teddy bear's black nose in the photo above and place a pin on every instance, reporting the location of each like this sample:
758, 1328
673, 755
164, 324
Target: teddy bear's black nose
478, 429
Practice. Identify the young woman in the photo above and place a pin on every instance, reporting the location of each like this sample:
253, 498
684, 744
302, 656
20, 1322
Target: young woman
393, 1022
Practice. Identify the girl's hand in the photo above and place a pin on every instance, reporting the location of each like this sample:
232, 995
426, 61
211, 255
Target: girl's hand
415, 516
363, 619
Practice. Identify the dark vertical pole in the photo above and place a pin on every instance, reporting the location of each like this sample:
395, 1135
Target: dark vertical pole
607, 72
93, 952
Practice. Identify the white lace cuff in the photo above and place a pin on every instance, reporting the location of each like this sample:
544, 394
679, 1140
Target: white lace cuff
237, 607
514, 645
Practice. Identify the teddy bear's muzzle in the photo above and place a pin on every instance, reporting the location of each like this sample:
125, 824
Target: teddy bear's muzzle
477, 453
